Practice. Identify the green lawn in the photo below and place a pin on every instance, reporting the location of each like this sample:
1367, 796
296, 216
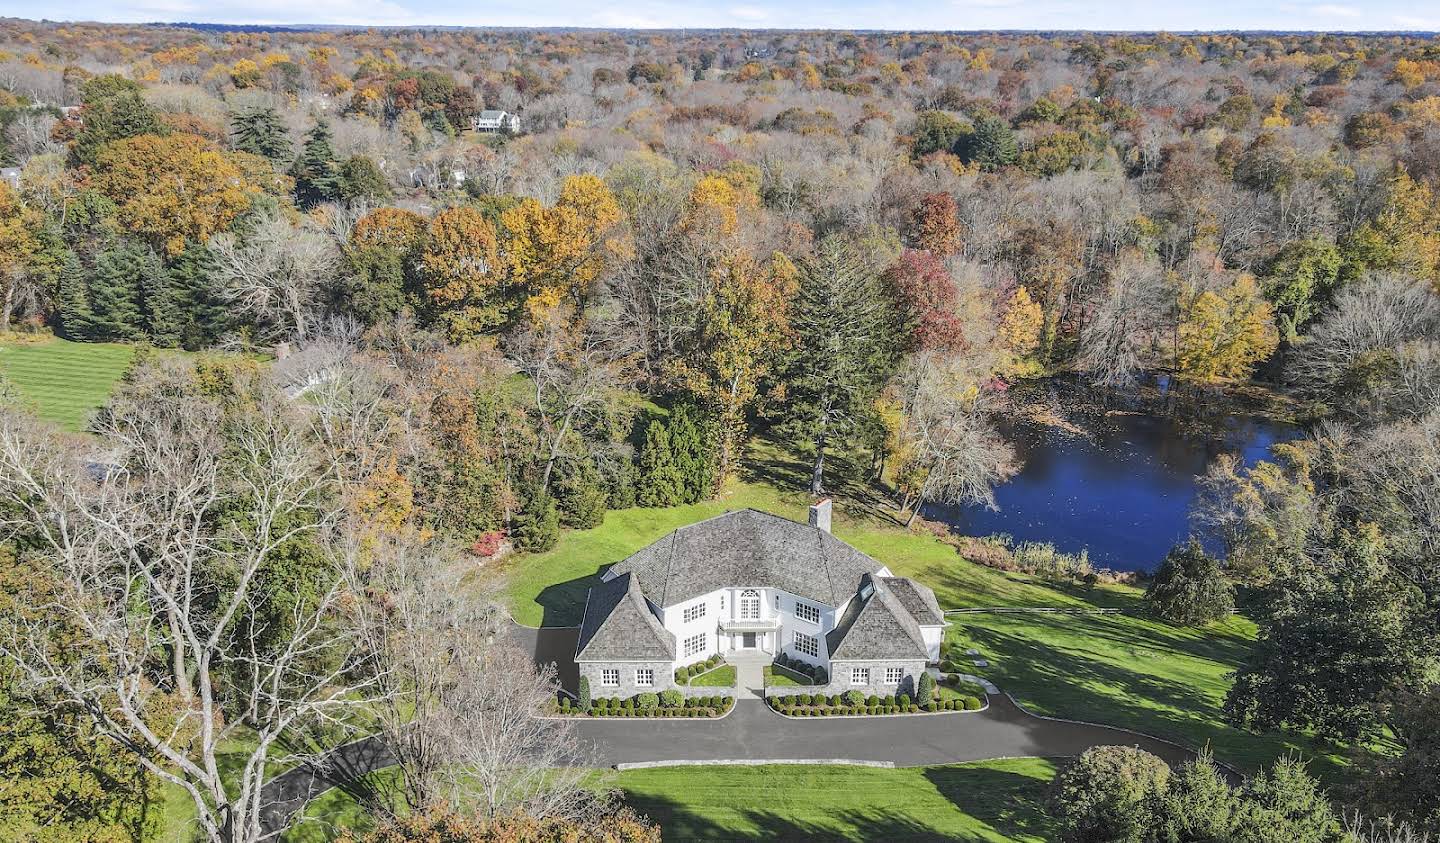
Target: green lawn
983, 801
721, 677
62, 381
783, 676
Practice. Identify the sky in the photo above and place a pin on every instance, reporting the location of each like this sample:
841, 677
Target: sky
1142, 15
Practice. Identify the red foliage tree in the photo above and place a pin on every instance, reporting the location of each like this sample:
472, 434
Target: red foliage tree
928, 303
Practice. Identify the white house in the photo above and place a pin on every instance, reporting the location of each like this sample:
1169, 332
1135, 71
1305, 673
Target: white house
491, 120
748, 582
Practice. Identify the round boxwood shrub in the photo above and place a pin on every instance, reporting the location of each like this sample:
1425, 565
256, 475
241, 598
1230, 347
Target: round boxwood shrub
932, 707
904, 700
946, 666
952, 679
894, 709
872, 701
854, 698
671, 698
972, 704
647, 700
821, 677
802, 699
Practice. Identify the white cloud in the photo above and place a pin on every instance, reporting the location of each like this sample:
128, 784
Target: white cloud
1334, 11
749, 13
1417, 23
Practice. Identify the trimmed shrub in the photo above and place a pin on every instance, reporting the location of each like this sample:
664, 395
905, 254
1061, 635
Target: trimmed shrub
680, 675
872, 700
802, 699
821, 677
647, 700
788, 699
671, 698
946, 666
930, 706
925, 692
904, 700
854, 698
952, 679
628, 703
583, 700
914, 709
972, 704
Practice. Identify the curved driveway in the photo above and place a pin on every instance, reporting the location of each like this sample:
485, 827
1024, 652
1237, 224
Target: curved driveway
753, 732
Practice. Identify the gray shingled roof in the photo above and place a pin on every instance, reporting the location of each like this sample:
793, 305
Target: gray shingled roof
917, 599
618, 626
879, 627
748, 548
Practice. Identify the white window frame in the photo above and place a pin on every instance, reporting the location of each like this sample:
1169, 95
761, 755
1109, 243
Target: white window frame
859, 676
893, 675
696, 644
750, 605
807, 644
806, 612
644, 677
610, 677
694, 613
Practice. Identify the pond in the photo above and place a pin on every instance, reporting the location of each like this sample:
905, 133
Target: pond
1122, 487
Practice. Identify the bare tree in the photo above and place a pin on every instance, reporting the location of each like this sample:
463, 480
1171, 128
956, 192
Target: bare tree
1121, 334
460, 715
275, 273
157, 558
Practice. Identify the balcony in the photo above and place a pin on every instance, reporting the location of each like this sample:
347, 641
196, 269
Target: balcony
749, 625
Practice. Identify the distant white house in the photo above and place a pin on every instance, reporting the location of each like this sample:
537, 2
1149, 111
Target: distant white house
11, 176
491, 120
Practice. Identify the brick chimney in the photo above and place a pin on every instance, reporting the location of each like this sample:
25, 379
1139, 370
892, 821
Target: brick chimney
820, 514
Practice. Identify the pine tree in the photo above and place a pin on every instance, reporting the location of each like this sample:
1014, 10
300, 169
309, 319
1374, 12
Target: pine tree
992, 144
204, 318
261, 132
536, 528
660, 480
692, 453
317, 170
117, 291
73, 301
843, 352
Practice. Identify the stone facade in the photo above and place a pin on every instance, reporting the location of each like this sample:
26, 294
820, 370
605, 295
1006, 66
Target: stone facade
840, 680
593, 671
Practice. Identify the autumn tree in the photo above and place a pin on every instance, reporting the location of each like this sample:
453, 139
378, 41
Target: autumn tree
554, 254
936, 225
173, 189
926, 296
17, 244
459, 268
1223, 334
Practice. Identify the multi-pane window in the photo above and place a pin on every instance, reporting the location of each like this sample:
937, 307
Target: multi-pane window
859, 676
750, 605
694, 613
893, 675
806, 612
644, 677
610, 677
695, 644
807, 644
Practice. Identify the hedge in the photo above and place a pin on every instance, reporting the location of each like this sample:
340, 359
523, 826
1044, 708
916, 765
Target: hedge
653, 705
818, 705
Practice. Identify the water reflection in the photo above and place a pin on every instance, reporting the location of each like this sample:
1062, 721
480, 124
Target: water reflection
1123, 490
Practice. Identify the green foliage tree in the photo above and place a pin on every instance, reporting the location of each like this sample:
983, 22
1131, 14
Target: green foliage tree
317, 169
935, 131
260, 131
925, 691
361, 178
661, 483
73, 302
844, 349
582, 695
1189, 589
536, 527
1199, 804
992, 144
1299, 281
1286, 803
580, 494
1108, 793
113, 109
123, 274
693, 452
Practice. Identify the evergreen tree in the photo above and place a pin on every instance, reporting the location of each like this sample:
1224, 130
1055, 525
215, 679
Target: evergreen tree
660, 480
1190, 589
261, 132
203, 316
925, 691
844, 349
361, 178
117, 291
992, 144
73, 302
693, 454
123, 114
580, 495
536, 528
317, 170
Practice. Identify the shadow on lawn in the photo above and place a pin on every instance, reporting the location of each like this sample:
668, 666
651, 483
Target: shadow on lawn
563, 604
1007, 804
1068, 684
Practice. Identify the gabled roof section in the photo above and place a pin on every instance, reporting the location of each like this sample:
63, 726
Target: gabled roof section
619, 626
748, 548
876, 627
917, 599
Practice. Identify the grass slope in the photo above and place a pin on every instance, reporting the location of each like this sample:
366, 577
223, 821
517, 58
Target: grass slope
62, 381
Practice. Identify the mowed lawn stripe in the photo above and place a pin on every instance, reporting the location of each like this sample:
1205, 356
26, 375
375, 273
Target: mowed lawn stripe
64, 382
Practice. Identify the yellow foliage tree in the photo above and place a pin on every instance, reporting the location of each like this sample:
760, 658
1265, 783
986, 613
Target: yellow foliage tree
1223, 335
554, 252
172, 189
1020, 327
459, 266
17, 244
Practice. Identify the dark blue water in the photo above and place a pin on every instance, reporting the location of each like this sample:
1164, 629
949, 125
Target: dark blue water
1123, 491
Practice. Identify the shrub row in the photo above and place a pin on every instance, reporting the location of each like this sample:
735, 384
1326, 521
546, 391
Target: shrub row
667, 703
684, 674
816, 673
790, 705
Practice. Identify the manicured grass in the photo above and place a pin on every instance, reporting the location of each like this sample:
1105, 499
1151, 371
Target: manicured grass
784, 676
983, 801
61, 381
721, 677
1129, 671
959, 692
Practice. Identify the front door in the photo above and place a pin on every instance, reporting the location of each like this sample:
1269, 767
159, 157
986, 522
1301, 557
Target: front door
747, 640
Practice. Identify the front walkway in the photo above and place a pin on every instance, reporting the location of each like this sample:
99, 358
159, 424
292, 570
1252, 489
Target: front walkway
749, 672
